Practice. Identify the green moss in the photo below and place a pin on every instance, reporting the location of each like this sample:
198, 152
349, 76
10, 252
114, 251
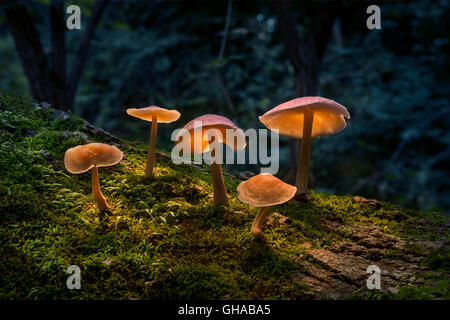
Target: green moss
163, 238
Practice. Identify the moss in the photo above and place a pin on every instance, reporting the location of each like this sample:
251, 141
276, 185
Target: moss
163, 238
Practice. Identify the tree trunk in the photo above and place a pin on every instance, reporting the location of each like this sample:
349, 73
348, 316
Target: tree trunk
45, 83
40, 79
305, 55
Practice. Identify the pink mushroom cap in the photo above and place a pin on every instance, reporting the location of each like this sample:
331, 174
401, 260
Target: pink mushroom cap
213, 122
329, 117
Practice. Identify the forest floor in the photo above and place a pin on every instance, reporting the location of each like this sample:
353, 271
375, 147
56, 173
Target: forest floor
163, 238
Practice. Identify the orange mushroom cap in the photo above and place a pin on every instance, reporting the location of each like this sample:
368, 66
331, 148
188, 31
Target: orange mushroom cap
288, 117
264, 190
213, 122
147, 113
82, 158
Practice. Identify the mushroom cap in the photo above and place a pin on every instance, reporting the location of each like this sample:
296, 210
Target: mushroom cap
288, 117
213, 122
265, 190
147, 113
82, 158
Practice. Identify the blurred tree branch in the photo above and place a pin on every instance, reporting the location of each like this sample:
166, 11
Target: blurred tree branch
219, 79
226, 30
83, 47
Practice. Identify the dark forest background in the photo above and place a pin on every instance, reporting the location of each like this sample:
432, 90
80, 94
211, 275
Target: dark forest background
240, 59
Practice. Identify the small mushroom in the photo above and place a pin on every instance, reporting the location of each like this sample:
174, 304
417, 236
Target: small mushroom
263, 191
91, 156
209, 122
306, 118
155, 115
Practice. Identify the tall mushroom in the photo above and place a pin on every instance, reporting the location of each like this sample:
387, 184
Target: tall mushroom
92, 156
263, 191
198, 129
306, 118
155, 115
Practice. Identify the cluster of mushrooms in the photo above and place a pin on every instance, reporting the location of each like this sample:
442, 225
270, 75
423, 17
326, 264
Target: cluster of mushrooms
302, 118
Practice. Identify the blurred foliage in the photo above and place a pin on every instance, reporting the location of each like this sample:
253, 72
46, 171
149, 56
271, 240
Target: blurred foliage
394, 81
395, 84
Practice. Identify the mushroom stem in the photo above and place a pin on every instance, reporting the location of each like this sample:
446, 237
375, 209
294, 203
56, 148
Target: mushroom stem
99, 197
259, 221
151, 148
220, 193
301, 181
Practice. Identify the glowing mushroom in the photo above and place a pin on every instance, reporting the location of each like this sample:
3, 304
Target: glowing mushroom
201, 129
306, 118
91, 156
263, 191
155, 115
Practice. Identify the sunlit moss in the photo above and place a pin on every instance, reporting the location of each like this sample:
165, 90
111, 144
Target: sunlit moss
163, 238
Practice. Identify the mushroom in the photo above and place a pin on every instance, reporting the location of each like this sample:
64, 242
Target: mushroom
92, 156
153, 114
306, 118
207, 123
263, 191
